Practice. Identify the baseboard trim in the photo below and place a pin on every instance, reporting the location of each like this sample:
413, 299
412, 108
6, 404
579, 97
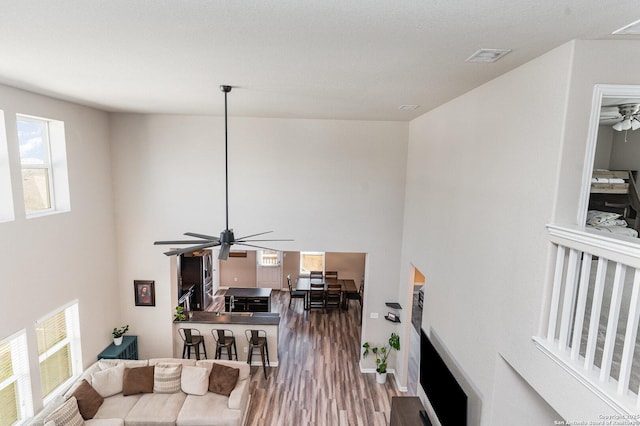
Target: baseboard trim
389, 371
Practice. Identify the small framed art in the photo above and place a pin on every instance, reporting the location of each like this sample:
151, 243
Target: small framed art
145, 293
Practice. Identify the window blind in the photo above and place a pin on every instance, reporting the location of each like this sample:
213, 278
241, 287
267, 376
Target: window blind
58, 348
16, 402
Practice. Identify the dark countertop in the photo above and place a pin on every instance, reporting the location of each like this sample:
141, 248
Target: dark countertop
256, 318
248, 292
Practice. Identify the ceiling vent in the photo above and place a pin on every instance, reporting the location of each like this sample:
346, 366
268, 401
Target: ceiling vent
408, 107
487, 55
632, 28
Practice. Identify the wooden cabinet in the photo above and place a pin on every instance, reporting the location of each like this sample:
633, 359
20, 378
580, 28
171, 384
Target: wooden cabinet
405, 411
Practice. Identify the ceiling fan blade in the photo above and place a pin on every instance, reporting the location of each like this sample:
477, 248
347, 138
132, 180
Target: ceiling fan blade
253, 245
254, 235
177, 242
206, 237
251, 241
192, 248
224, 252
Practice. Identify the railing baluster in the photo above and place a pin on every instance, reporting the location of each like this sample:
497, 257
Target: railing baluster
612, 323
567, 301
596, 306
630, 336
583, 291
555, 296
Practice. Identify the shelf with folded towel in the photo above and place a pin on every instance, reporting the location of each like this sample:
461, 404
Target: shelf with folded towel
610, 181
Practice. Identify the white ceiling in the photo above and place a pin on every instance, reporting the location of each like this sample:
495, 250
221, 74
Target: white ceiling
349, 59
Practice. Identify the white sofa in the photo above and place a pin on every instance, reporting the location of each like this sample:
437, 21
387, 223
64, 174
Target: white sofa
186, 407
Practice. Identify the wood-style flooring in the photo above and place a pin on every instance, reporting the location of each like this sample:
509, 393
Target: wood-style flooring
318, 379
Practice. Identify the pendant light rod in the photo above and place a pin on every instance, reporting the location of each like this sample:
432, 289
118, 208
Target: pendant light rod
226, 89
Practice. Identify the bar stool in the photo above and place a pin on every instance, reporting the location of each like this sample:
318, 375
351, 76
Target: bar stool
224, 339
191, 337
258, 340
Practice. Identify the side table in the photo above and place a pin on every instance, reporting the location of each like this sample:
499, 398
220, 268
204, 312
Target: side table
127, 350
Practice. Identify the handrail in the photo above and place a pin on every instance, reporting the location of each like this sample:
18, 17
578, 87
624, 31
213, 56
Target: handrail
593, 314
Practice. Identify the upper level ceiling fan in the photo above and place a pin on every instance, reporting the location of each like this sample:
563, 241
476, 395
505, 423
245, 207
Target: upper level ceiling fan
226, 238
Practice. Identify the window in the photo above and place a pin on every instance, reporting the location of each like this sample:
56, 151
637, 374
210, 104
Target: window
15, 391
44, 165
268, 257
6, 195
58, 349
311, 261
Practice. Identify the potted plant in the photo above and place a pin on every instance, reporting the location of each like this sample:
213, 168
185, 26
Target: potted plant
382, 353
118, 333
180, 315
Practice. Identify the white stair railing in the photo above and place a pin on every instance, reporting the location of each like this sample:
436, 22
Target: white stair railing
592, 323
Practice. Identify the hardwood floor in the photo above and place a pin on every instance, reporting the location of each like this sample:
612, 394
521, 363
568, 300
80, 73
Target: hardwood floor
318, 380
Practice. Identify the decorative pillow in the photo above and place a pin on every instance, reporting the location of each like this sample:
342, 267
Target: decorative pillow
137, 380
66, 414
614, 222
223, 379
89, 400
195, 380
128, 363
166, 378
596, 217
38, 420
108, 382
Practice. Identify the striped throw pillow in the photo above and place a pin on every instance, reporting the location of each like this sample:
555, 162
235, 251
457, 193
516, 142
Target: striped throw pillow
166, 378
67, 414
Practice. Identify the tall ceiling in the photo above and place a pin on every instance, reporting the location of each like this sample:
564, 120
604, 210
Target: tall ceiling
349, 59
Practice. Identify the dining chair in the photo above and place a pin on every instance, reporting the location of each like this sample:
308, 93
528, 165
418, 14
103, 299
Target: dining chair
331, 275
316, 275
192, 338
316, 298
296, 294
357, 296
224, 339
257, 339
333, 296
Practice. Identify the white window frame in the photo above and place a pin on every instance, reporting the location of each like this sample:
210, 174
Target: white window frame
21, 375
55, 163
269, 258
72, 322
6, 193
304, 272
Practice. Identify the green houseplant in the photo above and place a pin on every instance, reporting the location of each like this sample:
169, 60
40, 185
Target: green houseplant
179, 315
118, 333
382, 354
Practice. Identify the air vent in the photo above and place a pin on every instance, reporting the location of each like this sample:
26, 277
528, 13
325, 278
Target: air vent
632, 28
487, 55
408, 107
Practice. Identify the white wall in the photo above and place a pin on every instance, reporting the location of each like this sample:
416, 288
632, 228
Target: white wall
47, 262
478, 198
329, 185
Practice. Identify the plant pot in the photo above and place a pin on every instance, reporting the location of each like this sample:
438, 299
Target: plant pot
381, 378
117, 341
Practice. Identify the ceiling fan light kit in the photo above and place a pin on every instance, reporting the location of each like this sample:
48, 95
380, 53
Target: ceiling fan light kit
227, 237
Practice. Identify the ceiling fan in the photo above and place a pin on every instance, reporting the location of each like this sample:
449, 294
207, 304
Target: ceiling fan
226, 238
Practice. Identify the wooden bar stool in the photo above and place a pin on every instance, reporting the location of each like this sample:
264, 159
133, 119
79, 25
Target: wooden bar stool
224, 339
258, 340
192, 338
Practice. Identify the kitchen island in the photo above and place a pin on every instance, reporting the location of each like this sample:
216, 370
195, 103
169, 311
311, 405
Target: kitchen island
243, 299
237, 322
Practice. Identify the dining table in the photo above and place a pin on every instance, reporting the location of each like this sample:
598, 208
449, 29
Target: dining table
348, 286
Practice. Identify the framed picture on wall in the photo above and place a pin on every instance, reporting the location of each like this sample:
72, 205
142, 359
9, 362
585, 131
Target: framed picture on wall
145, 293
